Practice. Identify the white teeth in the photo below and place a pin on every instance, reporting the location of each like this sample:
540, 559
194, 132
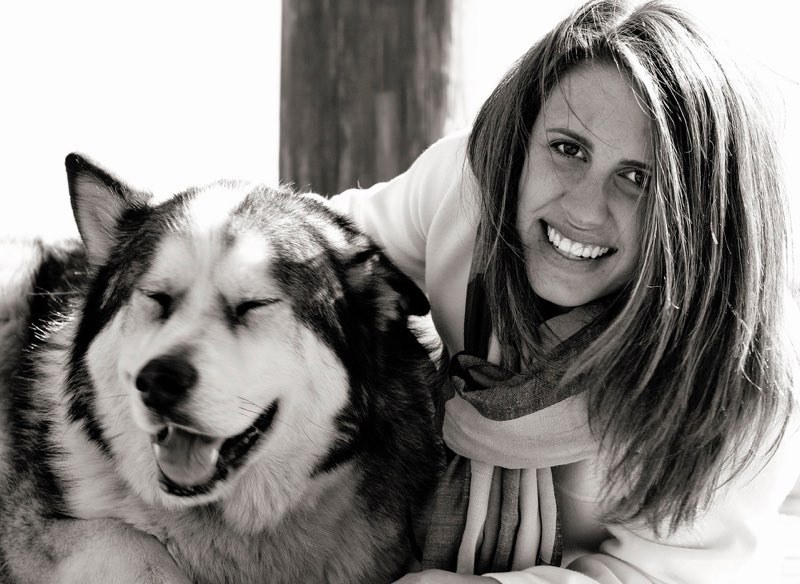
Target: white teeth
574, 248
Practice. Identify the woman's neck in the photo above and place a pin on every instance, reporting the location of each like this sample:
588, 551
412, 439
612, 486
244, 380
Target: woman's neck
548, 310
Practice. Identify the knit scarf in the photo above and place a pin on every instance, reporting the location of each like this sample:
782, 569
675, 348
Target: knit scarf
495, 507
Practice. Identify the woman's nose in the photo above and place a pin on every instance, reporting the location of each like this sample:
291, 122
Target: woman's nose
585, 202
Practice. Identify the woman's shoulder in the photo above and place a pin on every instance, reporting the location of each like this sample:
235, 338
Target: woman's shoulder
442, 174
450, 149
453, 142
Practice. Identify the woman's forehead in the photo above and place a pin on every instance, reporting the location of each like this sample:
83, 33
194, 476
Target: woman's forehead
598, 101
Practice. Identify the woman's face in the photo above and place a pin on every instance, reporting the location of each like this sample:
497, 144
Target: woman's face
587, 168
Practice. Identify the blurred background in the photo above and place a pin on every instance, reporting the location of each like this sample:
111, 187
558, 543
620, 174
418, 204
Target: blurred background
167, 94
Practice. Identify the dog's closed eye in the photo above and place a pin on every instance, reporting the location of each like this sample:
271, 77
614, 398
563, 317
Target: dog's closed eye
165, 302
244, 307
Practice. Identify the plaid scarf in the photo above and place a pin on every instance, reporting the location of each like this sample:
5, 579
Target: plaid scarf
495, 507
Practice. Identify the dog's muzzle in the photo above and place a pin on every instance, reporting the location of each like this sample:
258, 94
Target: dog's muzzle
193, 464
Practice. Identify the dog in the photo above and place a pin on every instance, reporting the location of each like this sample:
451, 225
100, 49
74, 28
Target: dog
220, 386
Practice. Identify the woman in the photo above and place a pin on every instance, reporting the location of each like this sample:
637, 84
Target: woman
606, 258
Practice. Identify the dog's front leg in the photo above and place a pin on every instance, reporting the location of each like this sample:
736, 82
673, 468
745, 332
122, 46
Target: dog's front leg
121, 555
72, 551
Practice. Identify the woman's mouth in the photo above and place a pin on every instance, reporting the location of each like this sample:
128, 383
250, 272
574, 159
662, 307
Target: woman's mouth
574, 249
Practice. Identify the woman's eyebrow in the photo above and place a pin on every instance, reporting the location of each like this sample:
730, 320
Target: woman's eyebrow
580, 138
636, 164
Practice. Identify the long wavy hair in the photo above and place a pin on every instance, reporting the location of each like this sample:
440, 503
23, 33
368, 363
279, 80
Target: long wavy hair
690, 382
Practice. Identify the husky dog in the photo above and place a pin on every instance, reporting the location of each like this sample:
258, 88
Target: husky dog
217, 387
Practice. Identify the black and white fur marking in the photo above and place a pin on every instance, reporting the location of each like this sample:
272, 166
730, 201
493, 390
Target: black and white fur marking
219, 387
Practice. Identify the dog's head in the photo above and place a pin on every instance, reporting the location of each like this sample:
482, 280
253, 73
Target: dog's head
216, 346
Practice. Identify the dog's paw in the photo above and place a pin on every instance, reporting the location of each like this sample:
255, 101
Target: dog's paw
95, 568
133, 558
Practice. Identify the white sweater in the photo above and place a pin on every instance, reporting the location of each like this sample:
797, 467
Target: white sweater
426, 220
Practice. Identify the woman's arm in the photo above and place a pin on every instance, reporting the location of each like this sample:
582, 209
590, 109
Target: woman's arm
398, 214
734, 542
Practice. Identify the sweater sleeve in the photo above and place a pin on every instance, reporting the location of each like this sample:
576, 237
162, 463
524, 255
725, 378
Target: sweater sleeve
735, 541
398, 214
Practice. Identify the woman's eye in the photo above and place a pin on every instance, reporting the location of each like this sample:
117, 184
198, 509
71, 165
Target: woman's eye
637, 177
568, 149
164, 301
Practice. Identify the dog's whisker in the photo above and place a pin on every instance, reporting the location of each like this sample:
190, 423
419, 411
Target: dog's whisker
313, 423
254, 412
275, 420
249, 402
310, 439
284, 422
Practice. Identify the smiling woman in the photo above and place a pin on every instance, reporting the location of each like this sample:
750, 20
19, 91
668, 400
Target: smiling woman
578, 215
605, 252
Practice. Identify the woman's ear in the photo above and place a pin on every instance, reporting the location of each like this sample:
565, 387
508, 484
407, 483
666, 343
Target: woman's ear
98, 202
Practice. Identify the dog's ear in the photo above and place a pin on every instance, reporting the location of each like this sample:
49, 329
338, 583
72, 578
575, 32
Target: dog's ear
98, 202
394, 294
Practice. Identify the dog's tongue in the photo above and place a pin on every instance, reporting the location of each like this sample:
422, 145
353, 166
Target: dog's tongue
187, 459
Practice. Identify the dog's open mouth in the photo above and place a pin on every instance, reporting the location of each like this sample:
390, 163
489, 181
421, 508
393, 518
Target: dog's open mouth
191, 464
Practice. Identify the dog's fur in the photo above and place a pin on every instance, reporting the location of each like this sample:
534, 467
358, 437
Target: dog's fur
229, 312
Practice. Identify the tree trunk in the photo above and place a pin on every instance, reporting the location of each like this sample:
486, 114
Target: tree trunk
363, 88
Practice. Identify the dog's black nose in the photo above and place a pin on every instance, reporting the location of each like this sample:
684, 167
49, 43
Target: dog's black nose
165, 380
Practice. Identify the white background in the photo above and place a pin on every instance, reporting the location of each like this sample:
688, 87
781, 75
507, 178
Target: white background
168, 94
